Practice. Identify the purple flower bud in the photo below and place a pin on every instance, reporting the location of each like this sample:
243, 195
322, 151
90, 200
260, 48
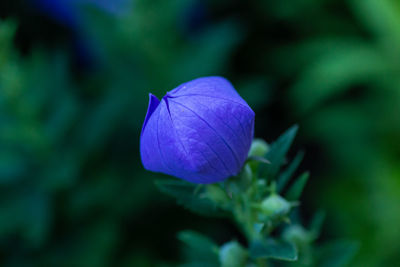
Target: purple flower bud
200, 132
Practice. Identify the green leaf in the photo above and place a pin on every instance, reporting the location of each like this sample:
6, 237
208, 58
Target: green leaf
294, 192
199, 247
285, 176
337, 254
188, 196
213, 46
336, 72
277, 153
195, 239
317, 222
12, 167
273, 249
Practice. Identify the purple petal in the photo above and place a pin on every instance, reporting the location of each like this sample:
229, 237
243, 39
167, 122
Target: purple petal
153, 104
210, 157
209, 86
229, 120
149, 145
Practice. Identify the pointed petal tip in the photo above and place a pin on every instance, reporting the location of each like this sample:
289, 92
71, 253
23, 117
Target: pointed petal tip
152, 96
153, 104
153, 100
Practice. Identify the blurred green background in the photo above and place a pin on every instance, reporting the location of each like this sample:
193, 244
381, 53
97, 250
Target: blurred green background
74, 83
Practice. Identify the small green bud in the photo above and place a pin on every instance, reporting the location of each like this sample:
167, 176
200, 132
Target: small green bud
232, 254
302, 239
259, 148
275, 205
216, 194
298, 235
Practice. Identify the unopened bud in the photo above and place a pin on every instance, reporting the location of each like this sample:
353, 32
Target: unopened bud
297, 234
275, 205
259, 148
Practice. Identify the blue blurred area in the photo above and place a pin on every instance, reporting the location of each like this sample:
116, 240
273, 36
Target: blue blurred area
69, 12
74, 83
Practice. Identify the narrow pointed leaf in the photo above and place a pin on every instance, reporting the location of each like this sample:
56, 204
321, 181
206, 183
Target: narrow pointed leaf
277, 153
317, 222
258, 159
287, 174
273, 249
294, 192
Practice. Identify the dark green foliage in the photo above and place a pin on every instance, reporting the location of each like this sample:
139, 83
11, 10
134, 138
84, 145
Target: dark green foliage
73, 191
199, 248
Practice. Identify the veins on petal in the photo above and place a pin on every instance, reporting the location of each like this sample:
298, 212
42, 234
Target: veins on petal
227, 125
210, 147
158, 143
229, 101
229, 147
216, 97
177, 135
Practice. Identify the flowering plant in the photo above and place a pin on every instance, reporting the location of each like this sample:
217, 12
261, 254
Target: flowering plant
202, 132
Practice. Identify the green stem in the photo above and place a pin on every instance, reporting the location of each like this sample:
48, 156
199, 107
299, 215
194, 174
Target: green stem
246, 216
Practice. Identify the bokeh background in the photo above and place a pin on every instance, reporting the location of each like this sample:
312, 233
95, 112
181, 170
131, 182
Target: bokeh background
74, 82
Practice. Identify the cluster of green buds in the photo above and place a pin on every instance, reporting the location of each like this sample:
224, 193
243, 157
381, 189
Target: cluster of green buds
263, 201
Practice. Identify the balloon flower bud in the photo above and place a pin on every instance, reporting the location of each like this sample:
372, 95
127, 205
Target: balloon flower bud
297, 235
275, 205
259, 148
200, 131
